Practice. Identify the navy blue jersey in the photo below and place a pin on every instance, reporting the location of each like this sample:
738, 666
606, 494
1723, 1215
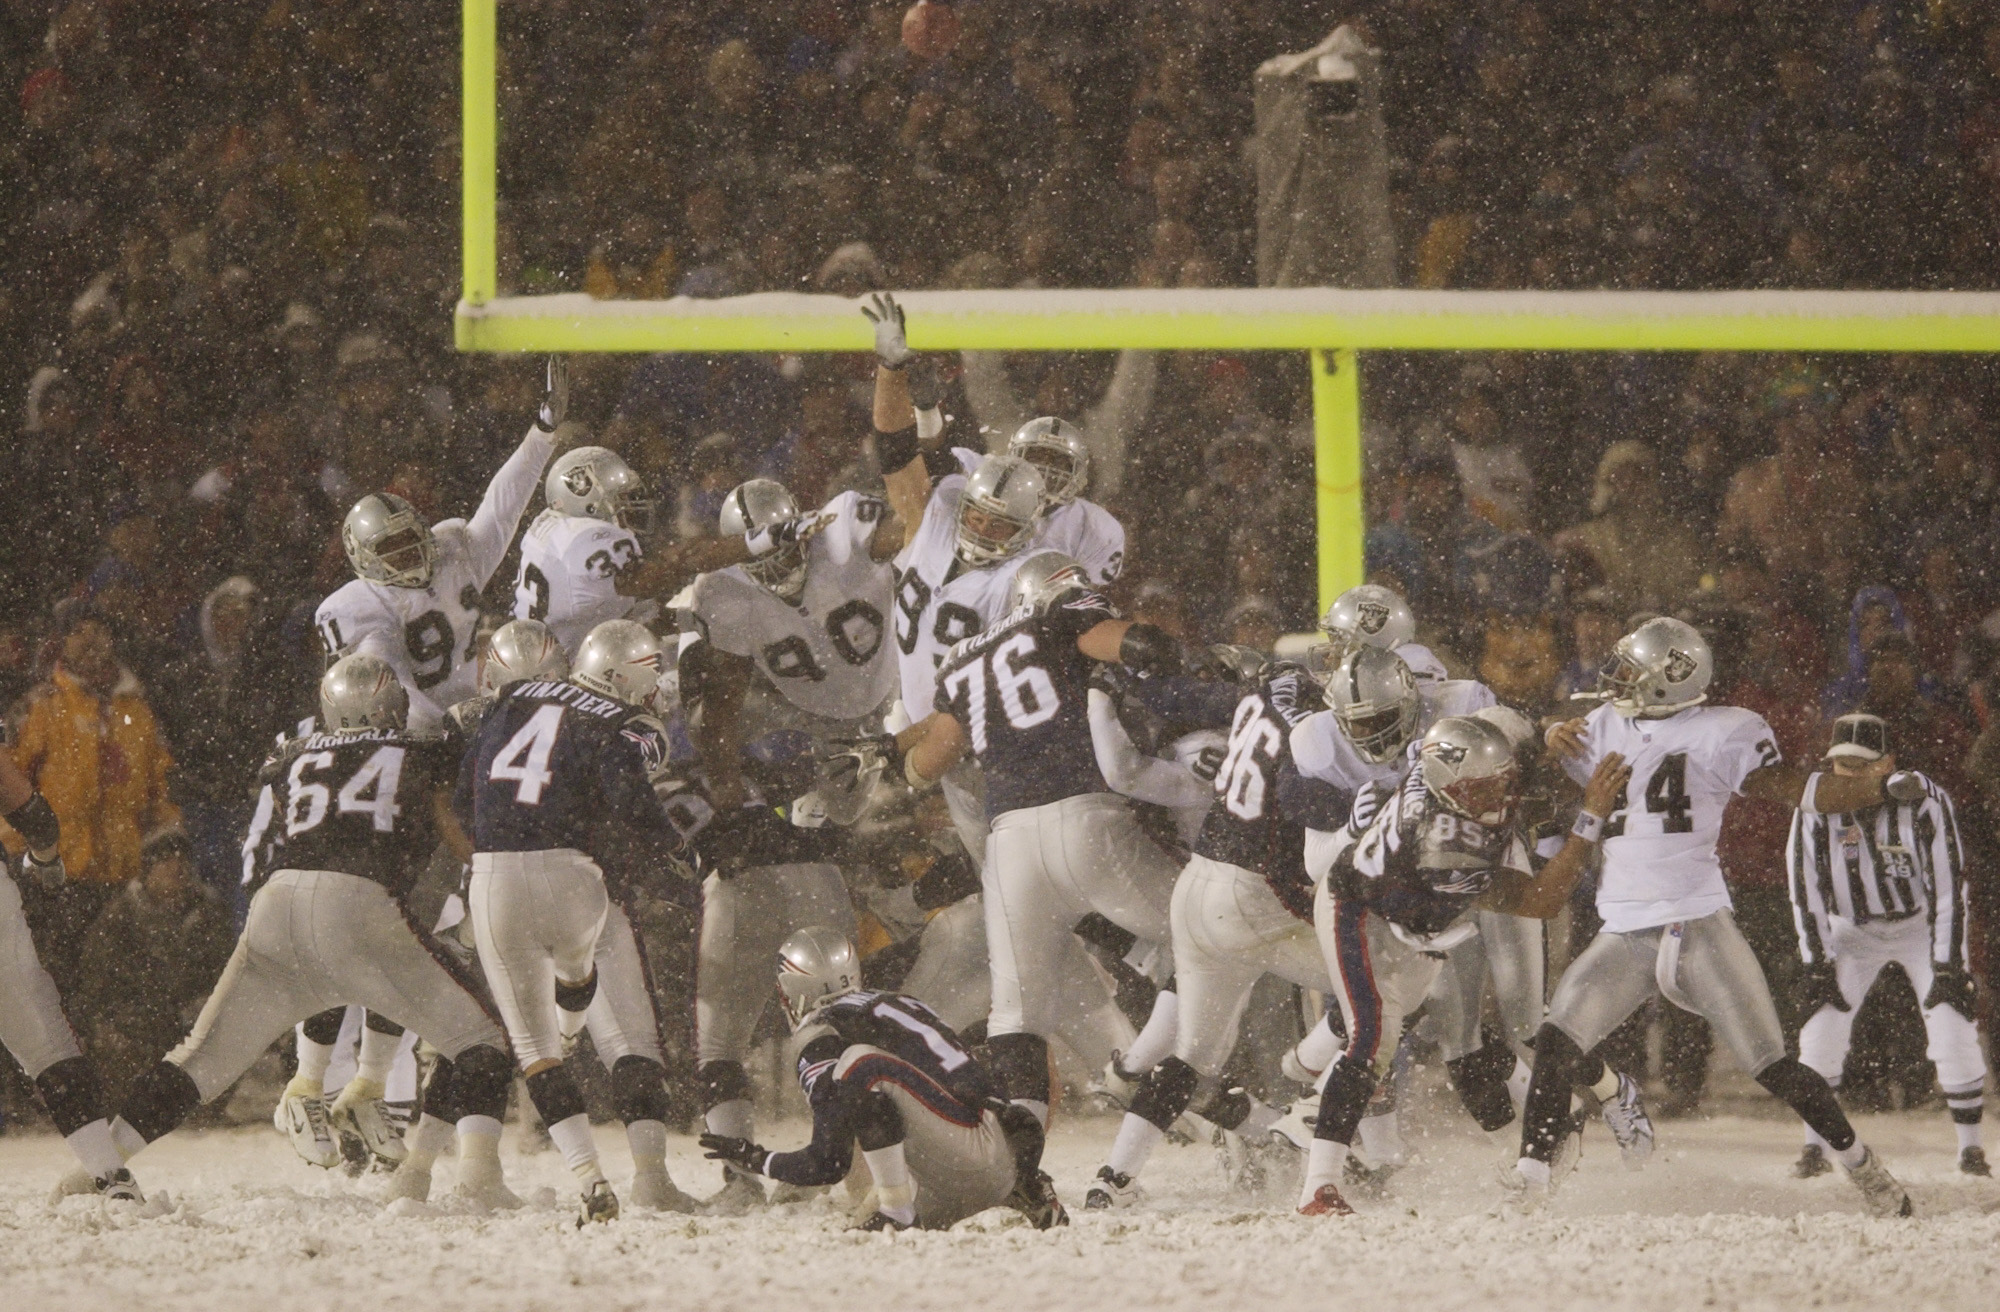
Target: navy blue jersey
1249, 825
920, 1053
1416, 863
554, 765
359, 803
1021, 692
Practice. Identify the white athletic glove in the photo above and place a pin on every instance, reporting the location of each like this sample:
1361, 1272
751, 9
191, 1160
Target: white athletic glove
555, 397
762, 542
892, 347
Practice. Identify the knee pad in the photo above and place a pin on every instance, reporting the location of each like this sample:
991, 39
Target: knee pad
1021, 1061
576, 997
72, 1094
1481, 1080
160, 1100
639, 1089
721, 1081
440, 1096
1166, 1092
324, 1028
555, 1095
1100, 932
480, 1079
876, 1122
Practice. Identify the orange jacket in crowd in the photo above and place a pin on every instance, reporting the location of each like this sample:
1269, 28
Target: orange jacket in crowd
103, 767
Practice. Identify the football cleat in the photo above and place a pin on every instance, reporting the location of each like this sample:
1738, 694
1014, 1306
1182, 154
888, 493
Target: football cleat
1035, 1198
118, 1187
599, 1204
657, 1190
740, 1195
1625, 1114
1569, 1151
1326, 1201
360, 1113
1878, 1188
1812, 1161
1297, 1124
481, 1184
883, 1221
1972, 1161
1110, 1189
1117, 1085
301, 1117
1520, 1196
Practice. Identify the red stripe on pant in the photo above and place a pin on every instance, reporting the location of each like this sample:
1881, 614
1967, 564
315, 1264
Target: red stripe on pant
1356, 977
880, 1068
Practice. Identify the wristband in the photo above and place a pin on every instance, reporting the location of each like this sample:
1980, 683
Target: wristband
930, 425
765, 1169
1588, 827
897, 449
913, 777
1809, 799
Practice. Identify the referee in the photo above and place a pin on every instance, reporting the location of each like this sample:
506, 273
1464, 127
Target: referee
1877, 886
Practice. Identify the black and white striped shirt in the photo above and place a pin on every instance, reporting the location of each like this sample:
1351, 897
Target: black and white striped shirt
1891, 863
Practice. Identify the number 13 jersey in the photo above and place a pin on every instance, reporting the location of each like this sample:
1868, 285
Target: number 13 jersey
1659, 846
829, 654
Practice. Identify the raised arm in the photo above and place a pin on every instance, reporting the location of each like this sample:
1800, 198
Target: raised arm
1109, 424
492, 527
909, 427
1543, 896
1133, 773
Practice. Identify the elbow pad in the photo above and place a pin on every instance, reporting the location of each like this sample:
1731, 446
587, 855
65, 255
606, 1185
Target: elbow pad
1149, 649
35, 821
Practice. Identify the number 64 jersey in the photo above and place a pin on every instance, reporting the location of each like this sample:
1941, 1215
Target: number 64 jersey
829, 654
1659, 846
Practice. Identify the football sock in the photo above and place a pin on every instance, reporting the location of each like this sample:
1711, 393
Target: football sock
95, 1148
378, 1054
1157, 1039
427, 1142
1382, 1139
735, 1119
1967, 1106
1533, 1170
314, 1058
1606, 1086
895, 1193
648, 1141
1324, 1158
1319, 1047
573, 1139
1134, 1144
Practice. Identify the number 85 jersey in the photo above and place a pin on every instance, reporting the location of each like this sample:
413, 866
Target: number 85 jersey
829, 654
1659, 846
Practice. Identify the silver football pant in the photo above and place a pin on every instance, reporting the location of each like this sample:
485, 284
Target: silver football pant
1230, 930
1378, 978
535, 918
958, 1158
1046, 868
317, 939
1706, 962
744, 921
621, 1018
1859, 952
1508, 949
32, 1024
964, 790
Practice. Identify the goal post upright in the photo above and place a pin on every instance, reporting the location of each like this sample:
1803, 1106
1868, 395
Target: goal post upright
480, 165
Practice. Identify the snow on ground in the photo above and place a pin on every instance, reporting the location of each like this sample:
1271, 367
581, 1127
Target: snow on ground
235, 1222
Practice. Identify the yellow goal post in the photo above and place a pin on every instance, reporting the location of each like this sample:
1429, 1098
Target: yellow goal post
1331, 324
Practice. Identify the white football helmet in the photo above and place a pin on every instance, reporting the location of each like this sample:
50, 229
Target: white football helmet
520, 650
998, 509
1057, 451
759, 504
361, 692
594, 482
1042, 578
620, 659
1368, 616
1374, 700
1469, 766
387, 543
815, 965
1661, 667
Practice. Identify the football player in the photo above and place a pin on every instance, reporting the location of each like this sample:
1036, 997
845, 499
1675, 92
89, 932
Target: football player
414, 599
1370, 615
583, 561
358, 805
556, 792
1668, 926
1399, 895
1060, 845
1070, 522
32, 1024
882, 1073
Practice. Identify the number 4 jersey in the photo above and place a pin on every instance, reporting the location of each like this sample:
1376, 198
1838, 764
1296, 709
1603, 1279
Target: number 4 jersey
829, 654
1659, 846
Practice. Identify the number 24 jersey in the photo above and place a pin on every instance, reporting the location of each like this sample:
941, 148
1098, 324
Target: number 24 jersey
1659, 846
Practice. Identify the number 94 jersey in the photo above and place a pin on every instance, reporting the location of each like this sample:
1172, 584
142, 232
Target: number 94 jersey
1659, 846
569, 574
829, 654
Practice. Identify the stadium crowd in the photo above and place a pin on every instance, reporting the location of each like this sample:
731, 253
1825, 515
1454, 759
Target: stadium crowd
230, 254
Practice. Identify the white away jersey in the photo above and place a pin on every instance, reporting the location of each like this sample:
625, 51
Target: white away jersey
427, 635
1082, 529
829, 655
1659, 847
569, 570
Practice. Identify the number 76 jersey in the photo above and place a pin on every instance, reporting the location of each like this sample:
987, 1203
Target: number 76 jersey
829, 655
1659, 846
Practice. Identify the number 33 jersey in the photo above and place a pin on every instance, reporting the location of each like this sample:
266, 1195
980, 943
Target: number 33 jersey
1659, 846
829, 654
569, 574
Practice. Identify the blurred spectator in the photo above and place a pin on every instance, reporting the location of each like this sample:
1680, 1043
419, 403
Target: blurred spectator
1647, 561
1596, 624
1106, 424
1876, 614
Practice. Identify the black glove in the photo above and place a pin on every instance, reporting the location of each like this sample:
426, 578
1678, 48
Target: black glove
739, 1153
1818, 988
744, 838
555, 398
1149, 649
1904, 786
1953, 988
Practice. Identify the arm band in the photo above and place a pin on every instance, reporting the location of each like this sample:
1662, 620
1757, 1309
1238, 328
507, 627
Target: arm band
896, 449
1588, 827
37, 823
930, 424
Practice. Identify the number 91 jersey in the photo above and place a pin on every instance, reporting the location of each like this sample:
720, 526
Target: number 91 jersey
829, 654
569, 574
1659, 846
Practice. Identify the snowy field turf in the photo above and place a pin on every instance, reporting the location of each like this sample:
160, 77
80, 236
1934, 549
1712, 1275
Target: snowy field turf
236, 1222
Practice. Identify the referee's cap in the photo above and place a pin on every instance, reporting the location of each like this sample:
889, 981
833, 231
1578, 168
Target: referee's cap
1859, 737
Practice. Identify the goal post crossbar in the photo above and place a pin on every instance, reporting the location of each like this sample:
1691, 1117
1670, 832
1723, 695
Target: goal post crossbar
1332, 324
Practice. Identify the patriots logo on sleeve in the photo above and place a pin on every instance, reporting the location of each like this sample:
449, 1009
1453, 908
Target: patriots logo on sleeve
651, 747
1086, 601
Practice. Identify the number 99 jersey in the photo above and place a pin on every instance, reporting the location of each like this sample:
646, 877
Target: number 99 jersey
569, 574
1659, 846
829, 654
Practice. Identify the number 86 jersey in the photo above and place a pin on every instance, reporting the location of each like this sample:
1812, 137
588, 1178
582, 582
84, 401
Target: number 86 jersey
1659, 846
829, 654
